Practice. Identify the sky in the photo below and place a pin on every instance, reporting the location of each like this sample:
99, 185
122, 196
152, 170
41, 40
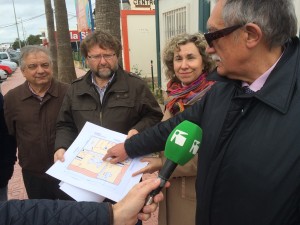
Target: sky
32, 15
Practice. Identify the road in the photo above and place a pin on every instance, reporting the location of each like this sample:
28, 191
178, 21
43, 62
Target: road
16, 189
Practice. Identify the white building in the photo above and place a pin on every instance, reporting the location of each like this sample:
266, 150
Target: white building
5, 46
139, 38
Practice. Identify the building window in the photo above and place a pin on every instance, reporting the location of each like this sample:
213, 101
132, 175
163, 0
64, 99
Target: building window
175, 22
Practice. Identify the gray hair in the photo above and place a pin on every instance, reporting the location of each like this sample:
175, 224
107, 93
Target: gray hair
276, 18
29, 49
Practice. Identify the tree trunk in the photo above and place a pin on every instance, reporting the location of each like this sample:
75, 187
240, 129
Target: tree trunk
51, 36
66, 69
107, 18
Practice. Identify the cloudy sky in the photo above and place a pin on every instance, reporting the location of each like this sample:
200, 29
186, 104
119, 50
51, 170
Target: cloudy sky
32, 13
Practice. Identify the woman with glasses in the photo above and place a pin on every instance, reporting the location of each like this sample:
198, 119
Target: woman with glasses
186, 68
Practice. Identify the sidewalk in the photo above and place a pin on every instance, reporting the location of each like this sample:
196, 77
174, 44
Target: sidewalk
16, 189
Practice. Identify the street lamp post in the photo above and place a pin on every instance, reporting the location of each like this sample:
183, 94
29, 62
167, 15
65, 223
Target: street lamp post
16, 24
24, 36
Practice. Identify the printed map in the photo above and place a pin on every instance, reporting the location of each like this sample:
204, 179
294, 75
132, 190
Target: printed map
89, 162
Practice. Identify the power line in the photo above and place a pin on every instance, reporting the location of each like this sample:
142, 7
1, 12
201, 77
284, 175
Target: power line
32, 18
25, 20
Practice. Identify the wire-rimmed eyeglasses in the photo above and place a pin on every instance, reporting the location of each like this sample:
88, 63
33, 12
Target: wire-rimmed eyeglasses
99, 57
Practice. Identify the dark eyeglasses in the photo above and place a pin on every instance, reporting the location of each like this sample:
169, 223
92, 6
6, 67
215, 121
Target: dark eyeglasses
210, 37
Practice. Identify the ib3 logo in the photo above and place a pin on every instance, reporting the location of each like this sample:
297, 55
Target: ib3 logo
179, 138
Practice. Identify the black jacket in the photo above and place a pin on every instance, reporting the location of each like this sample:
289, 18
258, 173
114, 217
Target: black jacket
127, 104
54, 212
249, 158
7, 150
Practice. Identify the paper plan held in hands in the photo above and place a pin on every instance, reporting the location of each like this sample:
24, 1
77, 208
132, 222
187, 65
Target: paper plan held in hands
83, 166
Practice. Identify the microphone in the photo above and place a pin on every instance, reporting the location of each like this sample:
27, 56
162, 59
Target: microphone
181, 146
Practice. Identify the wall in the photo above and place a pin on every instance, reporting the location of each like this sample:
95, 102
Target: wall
297, 7
192, 21
139, 41
142, 4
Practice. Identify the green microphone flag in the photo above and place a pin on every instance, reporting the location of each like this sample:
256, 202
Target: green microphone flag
181, 146
183, 142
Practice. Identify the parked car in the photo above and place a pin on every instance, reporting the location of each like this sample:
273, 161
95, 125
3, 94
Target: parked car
13, 66
7, 69
4, 56
3, 75
14, 57
10, 56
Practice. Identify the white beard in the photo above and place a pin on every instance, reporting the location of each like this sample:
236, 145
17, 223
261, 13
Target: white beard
216, 58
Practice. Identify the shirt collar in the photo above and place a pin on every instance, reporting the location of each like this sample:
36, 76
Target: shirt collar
39, 97
277, 92
259, 82
95, 83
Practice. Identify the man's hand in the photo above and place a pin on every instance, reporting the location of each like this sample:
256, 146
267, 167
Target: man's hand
59, 155
116, 154
154, 164
131, 133
128, 210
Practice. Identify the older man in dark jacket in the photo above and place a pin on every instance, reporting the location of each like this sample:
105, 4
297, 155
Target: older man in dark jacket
31, 112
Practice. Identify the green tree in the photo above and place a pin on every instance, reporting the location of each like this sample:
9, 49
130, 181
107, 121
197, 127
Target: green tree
31, 40
65, 63
51, 35
34, 40
15, 45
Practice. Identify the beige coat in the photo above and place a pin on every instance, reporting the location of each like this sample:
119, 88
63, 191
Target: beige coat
179, 206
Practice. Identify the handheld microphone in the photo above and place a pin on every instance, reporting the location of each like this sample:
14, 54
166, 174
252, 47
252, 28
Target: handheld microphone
181, 146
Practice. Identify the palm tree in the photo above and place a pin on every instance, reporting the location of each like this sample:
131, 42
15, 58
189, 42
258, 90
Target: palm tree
51, 36
66, 69
107, 18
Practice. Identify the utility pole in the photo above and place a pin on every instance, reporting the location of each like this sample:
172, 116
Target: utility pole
17, 24
121, 1
24, 36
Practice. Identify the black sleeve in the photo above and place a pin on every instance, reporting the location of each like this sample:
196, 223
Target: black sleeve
153, 139
53, 212
7, 150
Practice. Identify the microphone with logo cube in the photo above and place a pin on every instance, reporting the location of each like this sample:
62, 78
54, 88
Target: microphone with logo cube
181, 146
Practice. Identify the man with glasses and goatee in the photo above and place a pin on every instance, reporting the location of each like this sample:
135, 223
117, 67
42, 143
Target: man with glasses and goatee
107, 96
249, 158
